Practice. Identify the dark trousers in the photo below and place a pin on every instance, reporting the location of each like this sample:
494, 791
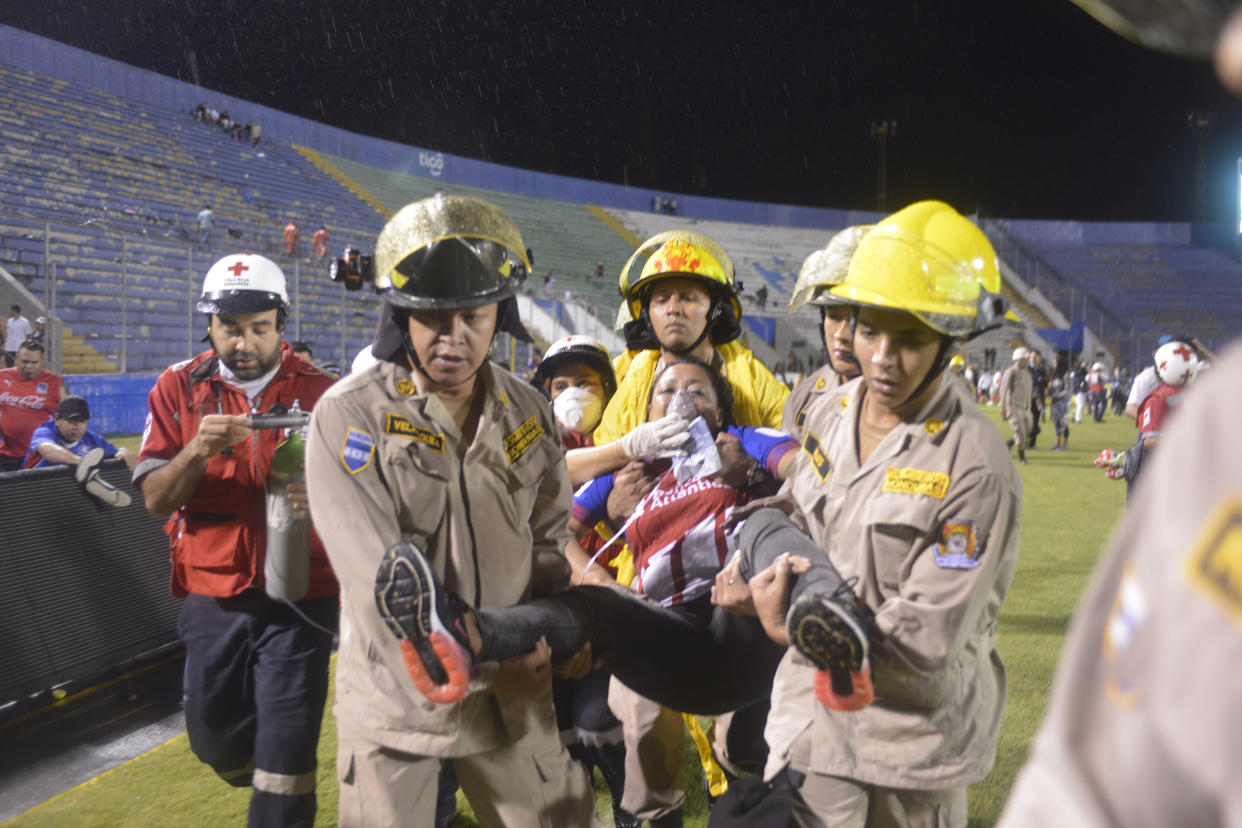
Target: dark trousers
694, 657
589, 729
256, 679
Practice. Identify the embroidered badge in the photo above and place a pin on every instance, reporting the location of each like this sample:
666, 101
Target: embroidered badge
932, 426
819, 459
400, 426
41, 388
1214, 565
845, 402
916, 482
958, 547
358, 450
522, 438
405, 387
819, 384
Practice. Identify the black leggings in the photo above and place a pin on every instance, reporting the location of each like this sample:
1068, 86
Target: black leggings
694, 657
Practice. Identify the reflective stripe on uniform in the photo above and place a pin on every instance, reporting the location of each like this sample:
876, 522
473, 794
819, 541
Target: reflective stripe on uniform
288, 784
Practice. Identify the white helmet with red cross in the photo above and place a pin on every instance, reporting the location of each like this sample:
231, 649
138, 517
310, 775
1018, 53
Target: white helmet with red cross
243, 283
1176, 363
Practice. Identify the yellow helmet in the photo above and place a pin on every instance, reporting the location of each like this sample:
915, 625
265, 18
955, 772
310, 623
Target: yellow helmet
826, 267
680, 253
930, 261
449, 252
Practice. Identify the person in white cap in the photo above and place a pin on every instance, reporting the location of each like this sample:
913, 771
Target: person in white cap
1015, 399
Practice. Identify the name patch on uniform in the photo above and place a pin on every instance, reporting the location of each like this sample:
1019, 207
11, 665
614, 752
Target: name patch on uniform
916, 482
400, 426
358, 450
958, 547
1214, 565
522, 438
819, 458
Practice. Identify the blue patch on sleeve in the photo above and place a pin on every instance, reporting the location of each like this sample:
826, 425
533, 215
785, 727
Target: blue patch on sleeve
358, 451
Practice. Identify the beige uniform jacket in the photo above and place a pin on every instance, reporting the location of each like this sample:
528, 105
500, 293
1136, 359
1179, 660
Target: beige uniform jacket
383, 466
929, 528
1144, 727
793, 417
1015, 391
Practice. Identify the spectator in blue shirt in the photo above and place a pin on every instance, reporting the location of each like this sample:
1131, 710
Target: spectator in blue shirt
65, 439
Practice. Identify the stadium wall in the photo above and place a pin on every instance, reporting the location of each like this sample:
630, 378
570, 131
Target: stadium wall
118, 401
59, 60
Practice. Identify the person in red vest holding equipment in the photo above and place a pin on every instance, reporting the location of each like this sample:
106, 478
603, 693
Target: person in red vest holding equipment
29, 394
256, 671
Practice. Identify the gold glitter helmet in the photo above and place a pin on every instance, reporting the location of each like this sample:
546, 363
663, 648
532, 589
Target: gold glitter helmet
449, 252
825, 268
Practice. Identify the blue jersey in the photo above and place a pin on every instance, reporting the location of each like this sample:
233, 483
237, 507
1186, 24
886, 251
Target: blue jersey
49, 433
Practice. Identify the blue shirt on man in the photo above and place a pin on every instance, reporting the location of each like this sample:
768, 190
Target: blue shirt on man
49, 433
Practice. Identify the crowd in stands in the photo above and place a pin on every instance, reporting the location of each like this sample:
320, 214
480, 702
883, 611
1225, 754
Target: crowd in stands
249, 131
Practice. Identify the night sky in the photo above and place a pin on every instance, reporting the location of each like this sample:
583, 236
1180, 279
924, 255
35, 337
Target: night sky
1020, 108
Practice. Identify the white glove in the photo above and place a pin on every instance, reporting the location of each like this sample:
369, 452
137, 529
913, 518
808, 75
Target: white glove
663, 438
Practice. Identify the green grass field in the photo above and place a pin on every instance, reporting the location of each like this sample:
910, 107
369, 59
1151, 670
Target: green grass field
1069, 511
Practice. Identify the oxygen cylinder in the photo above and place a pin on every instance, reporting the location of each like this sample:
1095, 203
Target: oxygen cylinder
287, 568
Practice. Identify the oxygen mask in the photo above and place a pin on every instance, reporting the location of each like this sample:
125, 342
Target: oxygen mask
682, 405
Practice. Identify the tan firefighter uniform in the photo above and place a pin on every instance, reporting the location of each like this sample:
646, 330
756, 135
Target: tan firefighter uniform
384, 466
928, 526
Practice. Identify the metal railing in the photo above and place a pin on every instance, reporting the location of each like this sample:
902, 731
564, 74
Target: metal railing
144, 253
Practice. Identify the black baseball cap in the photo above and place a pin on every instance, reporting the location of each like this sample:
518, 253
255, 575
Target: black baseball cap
73, 406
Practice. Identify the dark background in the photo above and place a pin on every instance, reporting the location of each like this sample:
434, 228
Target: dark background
1020, 108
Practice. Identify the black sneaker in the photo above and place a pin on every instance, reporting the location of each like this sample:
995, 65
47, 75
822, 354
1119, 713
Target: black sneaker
427, 619
829, 631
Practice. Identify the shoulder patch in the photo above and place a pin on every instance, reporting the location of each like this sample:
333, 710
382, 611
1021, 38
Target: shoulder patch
819, 458
1214, 565
522, 438
400, 426
916, 482
358, 450
959, 546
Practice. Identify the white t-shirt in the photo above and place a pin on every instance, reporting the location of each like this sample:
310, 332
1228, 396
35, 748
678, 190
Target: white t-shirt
15, 332
1144, 384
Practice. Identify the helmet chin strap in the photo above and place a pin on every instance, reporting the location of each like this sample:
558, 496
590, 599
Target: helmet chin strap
938, 366
417, 364
713, 314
